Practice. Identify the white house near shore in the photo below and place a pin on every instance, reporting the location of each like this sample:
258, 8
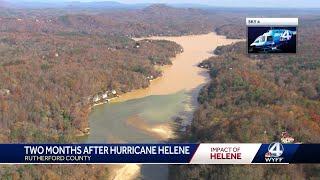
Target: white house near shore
105, 95
96, 98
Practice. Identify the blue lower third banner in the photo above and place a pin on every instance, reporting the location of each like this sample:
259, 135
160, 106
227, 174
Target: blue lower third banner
203, 153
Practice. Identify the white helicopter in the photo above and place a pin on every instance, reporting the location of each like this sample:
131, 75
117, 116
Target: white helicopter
271, 40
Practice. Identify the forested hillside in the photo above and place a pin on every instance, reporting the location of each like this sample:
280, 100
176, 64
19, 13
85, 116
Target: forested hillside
154, 20
255, 98
53, 62
49, 78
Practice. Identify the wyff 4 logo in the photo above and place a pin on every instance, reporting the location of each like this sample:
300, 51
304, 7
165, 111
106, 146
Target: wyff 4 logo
275, 150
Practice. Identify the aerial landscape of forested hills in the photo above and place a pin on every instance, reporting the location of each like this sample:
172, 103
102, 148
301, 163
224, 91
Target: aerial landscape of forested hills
257, 98
152, 20
54, 61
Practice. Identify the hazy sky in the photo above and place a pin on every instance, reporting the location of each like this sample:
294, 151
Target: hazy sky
225, 3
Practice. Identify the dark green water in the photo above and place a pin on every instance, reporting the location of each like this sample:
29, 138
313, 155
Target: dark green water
108, 122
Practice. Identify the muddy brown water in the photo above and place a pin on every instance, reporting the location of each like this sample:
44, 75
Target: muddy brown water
146, 115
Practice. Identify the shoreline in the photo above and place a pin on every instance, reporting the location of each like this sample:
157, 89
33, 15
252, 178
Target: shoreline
123, 171
174, 78
125, 96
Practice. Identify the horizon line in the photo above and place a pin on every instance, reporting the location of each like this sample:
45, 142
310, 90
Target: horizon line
175, 4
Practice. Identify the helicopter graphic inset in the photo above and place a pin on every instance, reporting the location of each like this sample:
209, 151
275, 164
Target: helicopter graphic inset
272, 40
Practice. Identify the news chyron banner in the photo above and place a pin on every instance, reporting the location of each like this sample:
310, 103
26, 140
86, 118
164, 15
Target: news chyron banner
159, 153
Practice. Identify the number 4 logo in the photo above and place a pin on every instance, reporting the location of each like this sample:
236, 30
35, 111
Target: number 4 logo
275, 149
